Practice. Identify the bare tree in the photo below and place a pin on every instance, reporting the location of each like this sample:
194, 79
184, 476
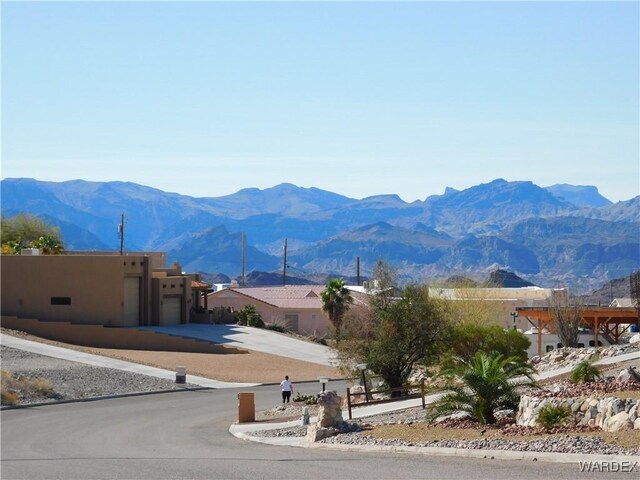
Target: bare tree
567, 319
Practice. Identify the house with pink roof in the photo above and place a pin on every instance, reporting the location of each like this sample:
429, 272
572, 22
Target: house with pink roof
298, 307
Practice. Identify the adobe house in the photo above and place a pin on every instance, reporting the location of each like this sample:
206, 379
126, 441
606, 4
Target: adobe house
97, 288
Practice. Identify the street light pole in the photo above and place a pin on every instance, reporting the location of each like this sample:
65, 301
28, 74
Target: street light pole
514, 315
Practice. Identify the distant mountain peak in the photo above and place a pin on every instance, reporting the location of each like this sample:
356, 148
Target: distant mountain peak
579, 195
504, 279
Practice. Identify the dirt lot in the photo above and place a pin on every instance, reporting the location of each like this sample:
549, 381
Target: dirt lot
251, 367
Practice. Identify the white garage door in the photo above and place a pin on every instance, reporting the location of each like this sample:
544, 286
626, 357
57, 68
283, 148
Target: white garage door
171, 310
131, 301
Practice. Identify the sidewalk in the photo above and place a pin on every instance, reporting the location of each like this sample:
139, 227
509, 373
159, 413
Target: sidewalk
246, 430
107, 362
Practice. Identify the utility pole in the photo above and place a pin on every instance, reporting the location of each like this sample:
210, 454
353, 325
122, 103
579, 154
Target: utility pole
284, 267
121, 234
358, 269
243, 242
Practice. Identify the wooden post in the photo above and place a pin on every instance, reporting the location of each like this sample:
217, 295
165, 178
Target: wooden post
540, 337
349, 401
422, 392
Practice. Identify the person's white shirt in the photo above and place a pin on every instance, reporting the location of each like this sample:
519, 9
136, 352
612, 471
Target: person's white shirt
286, 386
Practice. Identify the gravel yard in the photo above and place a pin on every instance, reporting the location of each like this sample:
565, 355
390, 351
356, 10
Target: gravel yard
249, 367
71, 380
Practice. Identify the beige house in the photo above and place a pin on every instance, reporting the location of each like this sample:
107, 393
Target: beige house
98, 288
298, 307
502, 302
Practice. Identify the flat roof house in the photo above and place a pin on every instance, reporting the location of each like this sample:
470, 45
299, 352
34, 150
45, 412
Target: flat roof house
96, 288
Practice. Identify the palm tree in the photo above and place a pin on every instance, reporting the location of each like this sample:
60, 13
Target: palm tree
482, 385
336, 300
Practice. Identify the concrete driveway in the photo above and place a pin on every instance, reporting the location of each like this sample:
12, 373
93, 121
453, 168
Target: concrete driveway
250, 338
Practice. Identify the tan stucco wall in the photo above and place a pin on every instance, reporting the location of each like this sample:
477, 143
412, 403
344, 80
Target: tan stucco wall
164, 287
94, 283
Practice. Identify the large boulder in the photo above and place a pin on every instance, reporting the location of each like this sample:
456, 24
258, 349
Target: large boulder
628, 374
329, 421
617, 423
330, 411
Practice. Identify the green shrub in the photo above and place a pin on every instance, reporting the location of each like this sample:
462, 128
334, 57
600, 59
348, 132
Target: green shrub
553, 415
467, 339
585, 372
255, 321
248, 315
307, 399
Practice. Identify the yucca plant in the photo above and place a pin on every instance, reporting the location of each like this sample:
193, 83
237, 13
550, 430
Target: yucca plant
585, 372
481, 386
552, 415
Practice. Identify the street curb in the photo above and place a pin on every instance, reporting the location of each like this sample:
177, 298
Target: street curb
549, 457
104, 397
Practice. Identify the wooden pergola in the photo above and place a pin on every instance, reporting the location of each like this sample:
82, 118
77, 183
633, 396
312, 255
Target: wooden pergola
608, 321
200, 290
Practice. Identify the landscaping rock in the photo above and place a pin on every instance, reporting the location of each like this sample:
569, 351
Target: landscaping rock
617, 423
330, 411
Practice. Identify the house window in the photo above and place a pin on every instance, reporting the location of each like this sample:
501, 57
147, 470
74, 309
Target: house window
291, 322
60, 300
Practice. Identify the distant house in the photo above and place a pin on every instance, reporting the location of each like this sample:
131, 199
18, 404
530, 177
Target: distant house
624, 302
505, 300
100, 289
298, 307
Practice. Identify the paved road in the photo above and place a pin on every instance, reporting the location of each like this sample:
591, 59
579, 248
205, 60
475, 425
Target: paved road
185, 435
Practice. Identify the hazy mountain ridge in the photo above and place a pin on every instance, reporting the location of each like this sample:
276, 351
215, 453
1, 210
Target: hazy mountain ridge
517, 226
579, 195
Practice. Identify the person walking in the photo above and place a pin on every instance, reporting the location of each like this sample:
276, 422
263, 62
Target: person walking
287, 389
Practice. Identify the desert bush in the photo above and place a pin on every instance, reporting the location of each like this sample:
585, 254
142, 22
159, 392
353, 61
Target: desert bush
307, 399
277, 327
320, 340
585, 372
553, 415
13, 387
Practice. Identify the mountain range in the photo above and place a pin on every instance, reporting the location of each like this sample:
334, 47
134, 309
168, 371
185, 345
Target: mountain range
561, 235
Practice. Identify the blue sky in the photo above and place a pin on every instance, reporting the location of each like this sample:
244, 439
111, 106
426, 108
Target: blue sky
357, 98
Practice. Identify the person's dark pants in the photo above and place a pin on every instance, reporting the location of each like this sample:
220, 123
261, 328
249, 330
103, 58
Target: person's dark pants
286, 396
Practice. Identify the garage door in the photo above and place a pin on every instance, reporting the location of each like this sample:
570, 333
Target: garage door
132, 301
171, 310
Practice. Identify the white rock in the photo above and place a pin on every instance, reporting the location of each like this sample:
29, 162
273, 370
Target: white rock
618, 423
